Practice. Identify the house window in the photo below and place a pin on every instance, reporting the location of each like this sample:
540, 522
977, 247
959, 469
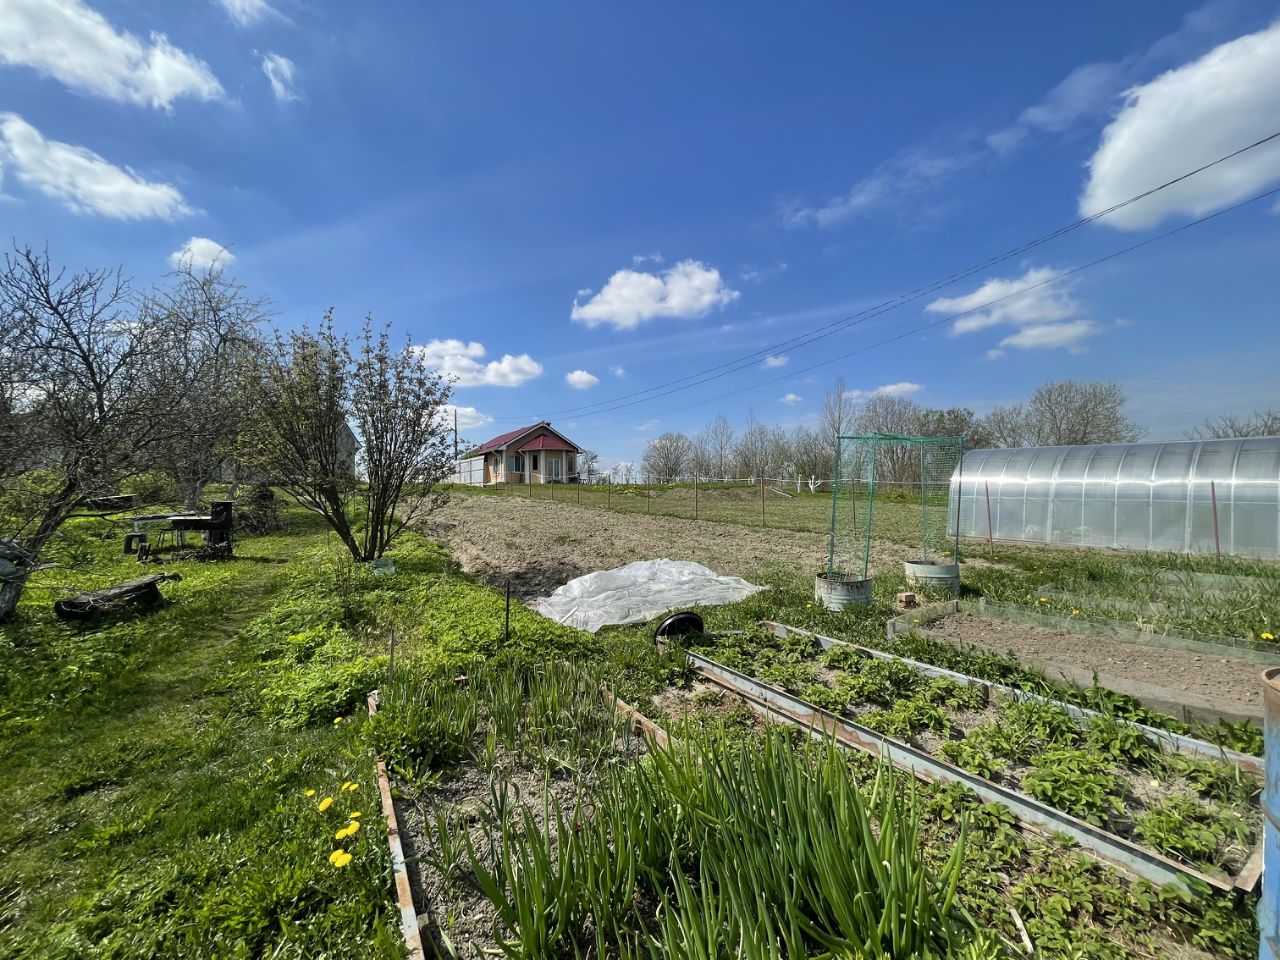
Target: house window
535, 463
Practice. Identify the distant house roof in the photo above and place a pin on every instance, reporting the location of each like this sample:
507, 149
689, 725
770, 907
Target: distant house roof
546, 443
538, 443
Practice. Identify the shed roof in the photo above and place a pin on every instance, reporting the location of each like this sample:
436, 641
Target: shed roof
539, 443
500, 441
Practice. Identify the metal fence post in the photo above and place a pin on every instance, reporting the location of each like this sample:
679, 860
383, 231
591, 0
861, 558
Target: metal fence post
762, 523
608, 497
695, 494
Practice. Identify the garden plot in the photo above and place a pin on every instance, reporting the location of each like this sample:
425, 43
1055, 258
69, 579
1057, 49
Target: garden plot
1106, 772
1195, 682
540, 827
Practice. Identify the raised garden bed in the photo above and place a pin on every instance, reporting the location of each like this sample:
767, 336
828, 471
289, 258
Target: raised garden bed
1194, 810
1184, 678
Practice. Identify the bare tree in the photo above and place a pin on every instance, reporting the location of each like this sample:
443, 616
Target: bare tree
221, 323
812, 452
1261, 423
588, 465
306, 386
839, 410
83, 360
667, 457
720, 439
1063, 413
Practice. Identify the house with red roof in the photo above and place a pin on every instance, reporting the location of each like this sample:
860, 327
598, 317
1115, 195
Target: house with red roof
533, 454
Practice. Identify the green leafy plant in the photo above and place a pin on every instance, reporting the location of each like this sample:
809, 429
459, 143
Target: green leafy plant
1076, 782
972, 756
1185, 828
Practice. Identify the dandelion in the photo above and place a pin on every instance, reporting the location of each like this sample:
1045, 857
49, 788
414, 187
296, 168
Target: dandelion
271, 759
1075, 613
339, 858
350, 830
350, 785
1044, 599
355, 814
337, 720
324, 804
1266, 635
308, 793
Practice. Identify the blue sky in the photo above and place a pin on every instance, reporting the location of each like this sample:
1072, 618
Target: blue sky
565, 203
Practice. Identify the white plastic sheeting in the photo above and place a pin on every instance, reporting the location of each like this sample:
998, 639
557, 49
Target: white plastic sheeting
639, 592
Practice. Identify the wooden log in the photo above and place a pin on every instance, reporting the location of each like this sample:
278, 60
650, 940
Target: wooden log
141, 592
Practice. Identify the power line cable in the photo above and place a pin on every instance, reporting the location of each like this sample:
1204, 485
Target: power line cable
952, 317
733, 366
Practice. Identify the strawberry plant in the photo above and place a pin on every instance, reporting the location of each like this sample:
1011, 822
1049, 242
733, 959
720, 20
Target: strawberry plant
906, 718
1182, 827
1076, 782
972, 756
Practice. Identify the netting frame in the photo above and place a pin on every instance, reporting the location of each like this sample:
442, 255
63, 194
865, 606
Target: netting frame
861, 460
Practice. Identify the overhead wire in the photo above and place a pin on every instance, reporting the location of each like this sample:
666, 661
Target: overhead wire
791, 374
819, 333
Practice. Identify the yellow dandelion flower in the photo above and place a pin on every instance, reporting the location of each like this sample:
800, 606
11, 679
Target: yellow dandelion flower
337, 720
355, 814
1075, 612
350, 785
1044, 599
339, 858
324, 804
1265, 635
271, 759
350, 830
308, 793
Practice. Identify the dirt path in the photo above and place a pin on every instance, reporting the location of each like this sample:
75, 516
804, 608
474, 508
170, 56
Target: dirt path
1217, 685
542, 545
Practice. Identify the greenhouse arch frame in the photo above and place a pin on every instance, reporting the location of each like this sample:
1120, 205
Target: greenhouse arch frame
1191, 496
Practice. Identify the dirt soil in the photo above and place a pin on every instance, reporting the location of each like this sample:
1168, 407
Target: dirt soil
543, 545
1136, 669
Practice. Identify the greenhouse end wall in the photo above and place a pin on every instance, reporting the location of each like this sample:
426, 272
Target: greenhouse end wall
1135, 496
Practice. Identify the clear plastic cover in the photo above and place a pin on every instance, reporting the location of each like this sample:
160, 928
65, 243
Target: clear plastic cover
1186, 496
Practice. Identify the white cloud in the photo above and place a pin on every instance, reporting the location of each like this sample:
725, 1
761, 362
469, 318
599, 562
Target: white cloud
1045, 303
280, 74
82, 180
247, 12
461, 361
778, 361
790, 399
647, 425
581, 379
760, 274
687, 290
619, 372
201, 253
994, 354
901, 389
642, 258
894, 185
468, 417
78, 47
1049, 335
1184, 118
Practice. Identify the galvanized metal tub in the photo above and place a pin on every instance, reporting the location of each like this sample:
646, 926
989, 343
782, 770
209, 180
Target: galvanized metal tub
1269, 904
936, 576
835, 592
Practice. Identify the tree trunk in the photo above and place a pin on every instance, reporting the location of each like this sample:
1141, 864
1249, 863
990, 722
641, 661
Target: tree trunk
13, 577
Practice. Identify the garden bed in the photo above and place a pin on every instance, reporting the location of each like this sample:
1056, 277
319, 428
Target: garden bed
1197, 811
1186, 683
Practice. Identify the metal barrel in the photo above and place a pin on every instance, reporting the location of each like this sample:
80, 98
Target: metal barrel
835, 592
936, 576
1269, 905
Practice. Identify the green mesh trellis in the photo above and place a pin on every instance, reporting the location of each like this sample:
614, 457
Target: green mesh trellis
897, 488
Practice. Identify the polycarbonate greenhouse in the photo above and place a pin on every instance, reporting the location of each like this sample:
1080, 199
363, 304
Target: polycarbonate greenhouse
1188, 496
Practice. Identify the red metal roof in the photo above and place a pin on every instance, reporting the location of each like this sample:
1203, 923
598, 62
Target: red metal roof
546, 443
502, 440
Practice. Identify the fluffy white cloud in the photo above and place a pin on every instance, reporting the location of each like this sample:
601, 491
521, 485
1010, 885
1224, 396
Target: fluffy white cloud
1049, 335
1184, 118
82, 180
468, 417
201, 253
1044, 302
247, 12
790, 399
778, 361
619, 372
581, 379
280, 74
78, 47
641, 258
460, 360
900, 389
687, 290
